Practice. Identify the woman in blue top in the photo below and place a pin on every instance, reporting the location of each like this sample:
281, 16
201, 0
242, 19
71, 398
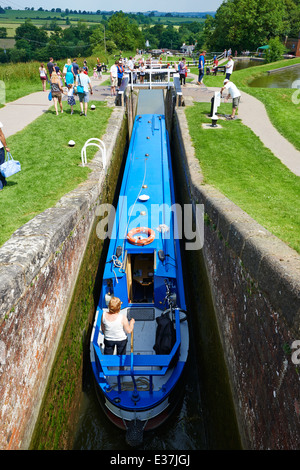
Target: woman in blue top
69, 77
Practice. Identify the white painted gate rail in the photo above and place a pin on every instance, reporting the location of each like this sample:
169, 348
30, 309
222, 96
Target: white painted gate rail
101, 147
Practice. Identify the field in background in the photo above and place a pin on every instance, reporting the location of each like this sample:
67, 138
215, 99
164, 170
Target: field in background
13, 18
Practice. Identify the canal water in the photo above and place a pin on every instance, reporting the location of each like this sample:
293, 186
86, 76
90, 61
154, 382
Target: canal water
240, 64
198, 422
289, 78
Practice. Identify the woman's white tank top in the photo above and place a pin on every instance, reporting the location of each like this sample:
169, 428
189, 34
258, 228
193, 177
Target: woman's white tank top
114, 330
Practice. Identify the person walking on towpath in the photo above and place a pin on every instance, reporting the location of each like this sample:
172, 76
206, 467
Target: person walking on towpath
43, 76
182, 68
75, 67
234, 93
113, 78
50, 66
229, 67
57, 91
130, 66
68, 72
84, 81
3, 147
120, 72
201, 68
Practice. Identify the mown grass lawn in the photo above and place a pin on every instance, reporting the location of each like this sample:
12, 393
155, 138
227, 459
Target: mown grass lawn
49, 167
234, 160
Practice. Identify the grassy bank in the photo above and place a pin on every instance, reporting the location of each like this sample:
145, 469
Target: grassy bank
247, 173
283, 113
50, 168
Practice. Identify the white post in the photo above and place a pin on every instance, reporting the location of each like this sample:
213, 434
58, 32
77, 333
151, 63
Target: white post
217, 102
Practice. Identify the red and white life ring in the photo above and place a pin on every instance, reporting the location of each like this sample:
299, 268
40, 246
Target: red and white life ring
138, 240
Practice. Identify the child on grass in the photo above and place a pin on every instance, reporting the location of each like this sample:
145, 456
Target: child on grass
71, 99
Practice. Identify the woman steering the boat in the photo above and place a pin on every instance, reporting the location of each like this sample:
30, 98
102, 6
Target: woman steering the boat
115, 326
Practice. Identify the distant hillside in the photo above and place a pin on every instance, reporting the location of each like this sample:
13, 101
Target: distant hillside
193, 14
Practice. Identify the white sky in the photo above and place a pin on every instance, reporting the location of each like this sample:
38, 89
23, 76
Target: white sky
116, 5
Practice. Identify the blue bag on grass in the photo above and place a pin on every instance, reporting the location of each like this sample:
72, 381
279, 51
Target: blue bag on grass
10, 166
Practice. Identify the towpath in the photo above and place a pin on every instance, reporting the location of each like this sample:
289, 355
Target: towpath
18, 114
253, 114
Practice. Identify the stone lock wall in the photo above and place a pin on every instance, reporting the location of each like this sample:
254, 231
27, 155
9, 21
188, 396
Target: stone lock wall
255, 284
38, 272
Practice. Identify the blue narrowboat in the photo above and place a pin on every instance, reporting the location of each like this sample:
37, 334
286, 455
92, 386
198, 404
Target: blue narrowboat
143, 269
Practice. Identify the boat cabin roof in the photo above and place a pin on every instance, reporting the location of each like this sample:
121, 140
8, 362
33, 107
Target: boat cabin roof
146, 194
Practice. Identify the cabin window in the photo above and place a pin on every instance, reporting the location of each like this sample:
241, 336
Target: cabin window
140, 271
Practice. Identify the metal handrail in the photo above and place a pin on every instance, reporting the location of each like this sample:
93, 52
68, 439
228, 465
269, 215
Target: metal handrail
100, 145
211, 61
153, 71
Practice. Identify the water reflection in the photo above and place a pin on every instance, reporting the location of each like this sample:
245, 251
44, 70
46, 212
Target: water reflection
289, 78
240, 64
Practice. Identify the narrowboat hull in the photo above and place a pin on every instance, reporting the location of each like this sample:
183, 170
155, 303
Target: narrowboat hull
143, 268
151, 419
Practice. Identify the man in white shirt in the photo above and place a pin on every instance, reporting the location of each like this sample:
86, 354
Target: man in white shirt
234, 93
131, 72
113, 78
83, 80
229, 67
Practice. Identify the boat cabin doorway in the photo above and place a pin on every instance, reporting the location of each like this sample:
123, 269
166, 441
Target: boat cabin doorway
140, 273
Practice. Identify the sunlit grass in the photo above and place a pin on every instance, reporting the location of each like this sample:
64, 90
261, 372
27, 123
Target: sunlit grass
49, 167
234, 160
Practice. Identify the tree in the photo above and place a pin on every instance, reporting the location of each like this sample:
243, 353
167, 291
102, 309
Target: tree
124, 34
170, 38
30, 38
275, 51
246, 24
97, 39
292, 18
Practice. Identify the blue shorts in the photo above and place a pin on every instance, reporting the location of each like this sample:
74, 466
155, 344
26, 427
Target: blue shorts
84, 97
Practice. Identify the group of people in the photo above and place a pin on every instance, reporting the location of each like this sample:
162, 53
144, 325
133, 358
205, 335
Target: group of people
201, 65
130, 66
232, 89
229, 52
78, 82
73, 77
135, 67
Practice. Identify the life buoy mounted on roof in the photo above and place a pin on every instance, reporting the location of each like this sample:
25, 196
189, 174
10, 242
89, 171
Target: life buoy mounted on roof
135, 237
